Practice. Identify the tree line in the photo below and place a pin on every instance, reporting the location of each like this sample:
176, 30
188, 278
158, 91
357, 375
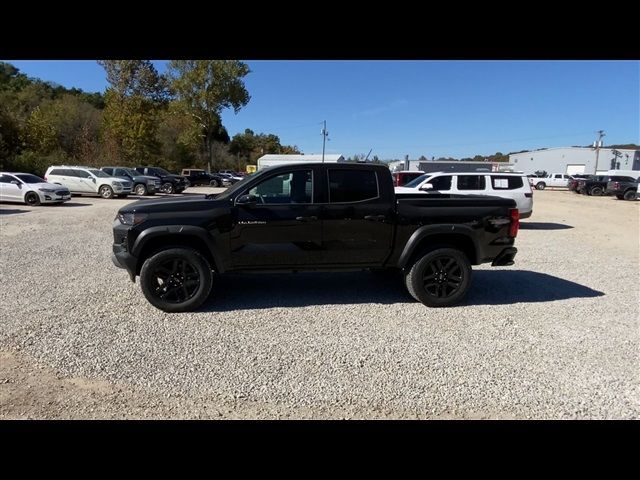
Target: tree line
143, 118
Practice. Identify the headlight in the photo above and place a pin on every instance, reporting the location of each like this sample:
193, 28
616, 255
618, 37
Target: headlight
116, 184
46, 190
131, 218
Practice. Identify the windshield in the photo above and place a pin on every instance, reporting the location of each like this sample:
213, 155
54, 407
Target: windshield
417, 181
237, 186
131, 172
98, 173
162, 171
28, 178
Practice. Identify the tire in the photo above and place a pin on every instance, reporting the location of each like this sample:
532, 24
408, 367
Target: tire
214, 183
620, 197
106, 191
596, 191
440, 267
629, 195
168, 187
140, 189
540, 186
32, 198
170, 268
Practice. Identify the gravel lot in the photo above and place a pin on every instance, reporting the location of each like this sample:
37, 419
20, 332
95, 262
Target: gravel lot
554, 336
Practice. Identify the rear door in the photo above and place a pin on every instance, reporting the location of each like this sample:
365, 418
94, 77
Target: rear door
283, 229
470, 184
357, 223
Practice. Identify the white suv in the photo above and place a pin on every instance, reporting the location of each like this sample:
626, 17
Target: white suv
88, 180
497, 184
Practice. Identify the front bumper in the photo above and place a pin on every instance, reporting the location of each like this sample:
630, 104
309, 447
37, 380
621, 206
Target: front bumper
123, 259
505, 257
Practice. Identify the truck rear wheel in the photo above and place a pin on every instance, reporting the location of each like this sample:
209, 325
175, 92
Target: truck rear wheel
596, 191
629, 195
540, 186
439, 278
176, 280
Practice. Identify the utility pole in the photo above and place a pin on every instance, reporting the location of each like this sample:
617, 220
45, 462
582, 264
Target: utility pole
324, 137
598, 145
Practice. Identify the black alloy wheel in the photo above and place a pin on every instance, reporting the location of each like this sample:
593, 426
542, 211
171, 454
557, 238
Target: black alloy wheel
441, 277
176, 279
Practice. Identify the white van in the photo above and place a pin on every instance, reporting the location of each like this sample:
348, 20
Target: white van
497, 184
88, 180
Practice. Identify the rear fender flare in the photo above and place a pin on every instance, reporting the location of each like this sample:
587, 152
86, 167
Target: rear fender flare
426, 231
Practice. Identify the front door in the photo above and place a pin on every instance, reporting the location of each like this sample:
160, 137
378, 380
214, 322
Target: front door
10, 191
283, 229
85, 181
357, 225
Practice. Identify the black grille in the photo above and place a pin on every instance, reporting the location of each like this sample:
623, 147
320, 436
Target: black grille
62, 192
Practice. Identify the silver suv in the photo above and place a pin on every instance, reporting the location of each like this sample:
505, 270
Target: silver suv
88, 181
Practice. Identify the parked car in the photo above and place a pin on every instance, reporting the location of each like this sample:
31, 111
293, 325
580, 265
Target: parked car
200, 177
30, 189
230, 177
169, 182
88, 180
142, 184
400, 179
312, 217
551, 180
622, 187
505, 185
596, 185
575, 180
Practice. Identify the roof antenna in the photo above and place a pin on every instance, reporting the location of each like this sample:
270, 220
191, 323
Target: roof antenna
365, 158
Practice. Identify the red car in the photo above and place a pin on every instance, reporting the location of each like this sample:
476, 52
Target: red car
400, 179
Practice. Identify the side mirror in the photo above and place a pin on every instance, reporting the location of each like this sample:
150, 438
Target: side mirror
426, 186
17, 183
247, 200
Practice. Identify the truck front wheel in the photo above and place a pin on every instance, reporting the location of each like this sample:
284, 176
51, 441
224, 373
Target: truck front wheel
439, 278
176, 280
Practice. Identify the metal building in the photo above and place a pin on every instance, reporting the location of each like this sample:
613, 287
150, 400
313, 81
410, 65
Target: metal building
450, 166
573, 160
275, 159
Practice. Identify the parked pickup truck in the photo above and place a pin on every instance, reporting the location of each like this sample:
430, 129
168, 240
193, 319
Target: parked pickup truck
622, 187
551, 180
312, 217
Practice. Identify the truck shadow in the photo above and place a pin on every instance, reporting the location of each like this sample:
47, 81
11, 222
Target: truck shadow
497, 287
524, 225
505, 287
12, 211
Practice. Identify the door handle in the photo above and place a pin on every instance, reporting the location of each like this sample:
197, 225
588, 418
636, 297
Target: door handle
376, 218
307, 219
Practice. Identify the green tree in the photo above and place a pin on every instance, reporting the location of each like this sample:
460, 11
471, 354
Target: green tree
132, 103
207, 87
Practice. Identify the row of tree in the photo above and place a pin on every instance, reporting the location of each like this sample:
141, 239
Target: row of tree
171, 120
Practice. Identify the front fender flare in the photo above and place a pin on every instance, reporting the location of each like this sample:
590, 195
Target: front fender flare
186, 230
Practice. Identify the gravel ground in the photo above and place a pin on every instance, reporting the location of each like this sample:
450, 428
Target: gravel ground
554, 336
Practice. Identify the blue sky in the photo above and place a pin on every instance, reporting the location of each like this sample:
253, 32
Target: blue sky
431, 108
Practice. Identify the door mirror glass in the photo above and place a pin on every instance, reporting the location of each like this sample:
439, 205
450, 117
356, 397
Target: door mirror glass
17, 183
426, 186
247, 200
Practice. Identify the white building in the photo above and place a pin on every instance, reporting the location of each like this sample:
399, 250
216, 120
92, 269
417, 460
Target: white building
277, 159
573, 160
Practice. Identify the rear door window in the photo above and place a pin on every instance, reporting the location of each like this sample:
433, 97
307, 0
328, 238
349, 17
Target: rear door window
352, 185
506, 182
471, 182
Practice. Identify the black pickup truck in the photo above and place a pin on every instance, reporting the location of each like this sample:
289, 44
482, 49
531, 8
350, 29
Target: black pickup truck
312, 217
622, 187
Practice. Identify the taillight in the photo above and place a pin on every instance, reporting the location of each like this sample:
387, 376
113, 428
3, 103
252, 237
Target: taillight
616, 185
514, 226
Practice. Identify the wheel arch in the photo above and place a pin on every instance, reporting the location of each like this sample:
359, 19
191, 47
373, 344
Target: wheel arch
443, 236
156, 239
